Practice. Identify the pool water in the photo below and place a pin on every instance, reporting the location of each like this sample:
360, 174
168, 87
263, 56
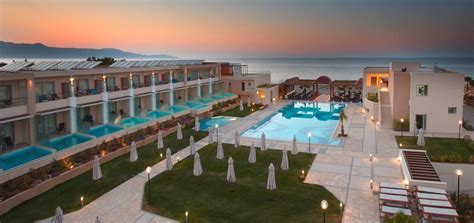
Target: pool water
157, 114
69, 140
207, 99
300, 118
225, 94
207, 123
195, 105
218, 97
101, 130
175, 109
21, 156
133, 121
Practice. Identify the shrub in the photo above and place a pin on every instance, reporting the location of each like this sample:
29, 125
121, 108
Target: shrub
374, 97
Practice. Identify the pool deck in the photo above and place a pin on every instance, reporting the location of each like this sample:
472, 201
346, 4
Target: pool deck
344, 170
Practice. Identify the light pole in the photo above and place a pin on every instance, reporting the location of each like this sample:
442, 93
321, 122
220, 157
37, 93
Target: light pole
217, 132
324, 206
186, 215
401, 126
82, 201
309, 142
459, 133
148, 170
459, 174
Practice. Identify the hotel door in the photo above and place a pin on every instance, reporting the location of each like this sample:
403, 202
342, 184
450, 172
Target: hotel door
420, 121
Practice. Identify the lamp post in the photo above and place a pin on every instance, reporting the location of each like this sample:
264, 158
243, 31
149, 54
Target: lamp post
217, 132
459, 174
186, 215
459, 133
401, 126
82, 201
148, 170
342, 207
324, 206
309, 142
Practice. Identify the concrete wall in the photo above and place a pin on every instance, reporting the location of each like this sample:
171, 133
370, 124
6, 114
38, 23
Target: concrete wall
399, 88
444, 90
447, 173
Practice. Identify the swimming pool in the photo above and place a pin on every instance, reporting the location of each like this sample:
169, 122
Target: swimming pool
102, 130
21, 156
133, 121
175, 109
68, 140
206, 123
300, 118
195, 105
157, 114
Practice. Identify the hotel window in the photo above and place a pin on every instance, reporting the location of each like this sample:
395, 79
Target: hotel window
373, 81
82, 85
44, 90
110, 83
136, 81
452, 110
147, 80
5, 93
421, 90
6, 133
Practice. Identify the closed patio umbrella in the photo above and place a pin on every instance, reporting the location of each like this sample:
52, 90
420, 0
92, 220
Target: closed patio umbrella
179, 132
133, 152
263, 147
237, 139
192, 147
96, 171
159, 143
294, 148
58, 217
196, 124
220, 150
252, 154
241, 106
210, 137
421, 138
169, 164
197, 170
284, 160
230, 171
271, 184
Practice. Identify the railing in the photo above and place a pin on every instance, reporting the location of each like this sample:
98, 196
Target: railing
113, 88
87, 92
12, 102
51, 97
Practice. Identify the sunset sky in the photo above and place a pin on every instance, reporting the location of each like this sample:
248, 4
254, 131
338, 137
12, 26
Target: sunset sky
248, 28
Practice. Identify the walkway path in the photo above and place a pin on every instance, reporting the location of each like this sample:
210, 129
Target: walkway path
344, 170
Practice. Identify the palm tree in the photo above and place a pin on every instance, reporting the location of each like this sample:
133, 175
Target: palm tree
468, 80
342, 118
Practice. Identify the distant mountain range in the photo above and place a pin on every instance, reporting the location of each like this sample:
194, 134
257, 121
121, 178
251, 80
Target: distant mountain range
38, 50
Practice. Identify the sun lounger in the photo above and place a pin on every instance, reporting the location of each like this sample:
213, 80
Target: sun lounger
440, 214
393, 191
431, 190
435, 203
392, 186
431, 196
390, 211
393, 200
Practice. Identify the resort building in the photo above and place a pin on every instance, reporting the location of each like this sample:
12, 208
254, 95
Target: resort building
250, 87
52, 107
428, 98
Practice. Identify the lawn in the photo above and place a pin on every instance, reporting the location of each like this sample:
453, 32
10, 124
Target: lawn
210, 198
235, 112
115, 172
440, 149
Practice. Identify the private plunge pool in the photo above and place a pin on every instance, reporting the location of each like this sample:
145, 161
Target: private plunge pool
195, 105
102, 130
69, 140
207, 123
299, 119
176, 109
21, 156
133, 121
157, 114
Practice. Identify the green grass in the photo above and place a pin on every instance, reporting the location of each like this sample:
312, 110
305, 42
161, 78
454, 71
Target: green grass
235, 112
115, 172
440, 149
210, 198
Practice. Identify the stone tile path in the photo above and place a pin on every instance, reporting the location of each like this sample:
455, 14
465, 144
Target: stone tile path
344, 170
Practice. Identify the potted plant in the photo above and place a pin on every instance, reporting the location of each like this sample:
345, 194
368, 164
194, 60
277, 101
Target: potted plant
342, 118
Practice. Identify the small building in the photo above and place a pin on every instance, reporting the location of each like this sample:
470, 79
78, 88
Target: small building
323, 85
428, 98
346, 90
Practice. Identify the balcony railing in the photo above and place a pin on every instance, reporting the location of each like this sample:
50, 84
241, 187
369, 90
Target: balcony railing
87, 92
51, 97
12, 102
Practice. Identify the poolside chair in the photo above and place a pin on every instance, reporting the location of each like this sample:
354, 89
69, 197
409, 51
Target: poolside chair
62, 127
8, 142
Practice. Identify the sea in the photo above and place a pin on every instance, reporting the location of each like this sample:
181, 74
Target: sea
311, 68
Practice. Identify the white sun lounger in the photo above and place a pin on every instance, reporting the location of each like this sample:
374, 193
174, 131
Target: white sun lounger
393, 191
394, 210
392, 186
431, 190
431, 196
435, 203
440, 211
396, 198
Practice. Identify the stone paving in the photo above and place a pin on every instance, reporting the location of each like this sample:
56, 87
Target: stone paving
344, 170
